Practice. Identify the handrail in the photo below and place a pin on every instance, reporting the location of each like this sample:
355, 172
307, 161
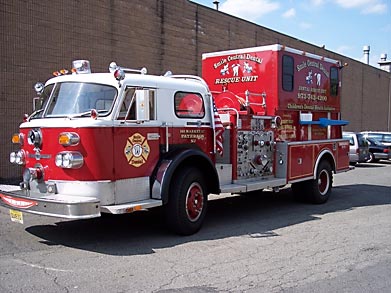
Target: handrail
231, 109
263, 95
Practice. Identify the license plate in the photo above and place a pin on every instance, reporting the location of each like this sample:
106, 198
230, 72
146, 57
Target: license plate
16, 216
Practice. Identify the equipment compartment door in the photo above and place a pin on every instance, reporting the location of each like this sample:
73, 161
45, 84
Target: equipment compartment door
301, 161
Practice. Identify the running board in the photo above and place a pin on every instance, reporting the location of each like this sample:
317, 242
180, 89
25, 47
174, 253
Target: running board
131, 207
251, 185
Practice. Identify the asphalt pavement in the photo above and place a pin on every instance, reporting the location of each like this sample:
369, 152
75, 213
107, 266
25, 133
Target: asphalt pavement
263, 242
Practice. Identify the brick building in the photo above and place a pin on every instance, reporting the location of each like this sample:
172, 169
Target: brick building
39, 37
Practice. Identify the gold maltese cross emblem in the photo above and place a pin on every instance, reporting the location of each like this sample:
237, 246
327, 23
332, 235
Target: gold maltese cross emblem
136, 150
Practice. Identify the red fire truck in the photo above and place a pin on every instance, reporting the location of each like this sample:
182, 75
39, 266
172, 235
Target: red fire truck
123, 141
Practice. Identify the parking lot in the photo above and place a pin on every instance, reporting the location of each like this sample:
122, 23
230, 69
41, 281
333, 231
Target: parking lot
255, 243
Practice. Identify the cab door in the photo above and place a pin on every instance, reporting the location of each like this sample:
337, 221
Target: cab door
136, 145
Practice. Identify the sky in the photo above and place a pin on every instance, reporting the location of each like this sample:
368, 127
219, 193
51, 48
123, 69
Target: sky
342, 26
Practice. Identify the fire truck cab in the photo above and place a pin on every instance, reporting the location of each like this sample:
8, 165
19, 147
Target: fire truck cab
125, 141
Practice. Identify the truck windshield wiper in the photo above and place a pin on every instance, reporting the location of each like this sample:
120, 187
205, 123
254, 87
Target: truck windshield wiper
86, 113
35, 113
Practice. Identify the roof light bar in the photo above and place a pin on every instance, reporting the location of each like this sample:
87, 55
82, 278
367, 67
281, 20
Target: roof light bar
81, 66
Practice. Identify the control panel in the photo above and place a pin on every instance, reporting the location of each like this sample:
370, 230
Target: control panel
255, 152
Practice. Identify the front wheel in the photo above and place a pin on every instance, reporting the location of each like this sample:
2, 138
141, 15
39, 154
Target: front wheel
186, 207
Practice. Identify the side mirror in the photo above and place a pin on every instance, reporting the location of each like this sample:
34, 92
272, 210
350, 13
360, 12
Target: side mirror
37, 103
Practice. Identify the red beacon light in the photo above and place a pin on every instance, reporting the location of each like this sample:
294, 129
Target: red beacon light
117, 71
119, 74
81, 67
94, 114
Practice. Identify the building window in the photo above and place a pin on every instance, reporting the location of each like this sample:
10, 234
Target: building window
287, 73
334, 81
189, 105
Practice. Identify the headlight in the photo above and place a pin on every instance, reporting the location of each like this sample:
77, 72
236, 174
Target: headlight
13, 158
69, 160
18, 157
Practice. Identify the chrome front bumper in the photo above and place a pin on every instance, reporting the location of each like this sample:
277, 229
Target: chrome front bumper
53, 205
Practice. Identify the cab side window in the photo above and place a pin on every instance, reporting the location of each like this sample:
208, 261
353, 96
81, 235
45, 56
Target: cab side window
138, 104
189, 105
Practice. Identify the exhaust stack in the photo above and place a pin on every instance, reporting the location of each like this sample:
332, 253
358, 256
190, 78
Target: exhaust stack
366, 50
384, 63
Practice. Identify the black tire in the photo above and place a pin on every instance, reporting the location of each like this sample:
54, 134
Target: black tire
371, 158
319, 189
187, 203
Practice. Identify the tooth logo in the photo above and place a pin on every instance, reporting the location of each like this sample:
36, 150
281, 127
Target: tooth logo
18, 202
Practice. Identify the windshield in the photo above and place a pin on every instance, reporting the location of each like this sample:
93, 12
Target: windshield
77, 99
373, 141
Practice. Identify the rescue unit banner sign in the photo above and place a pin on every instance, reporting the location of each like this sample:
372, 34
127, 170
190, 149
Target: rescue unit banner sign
237, 68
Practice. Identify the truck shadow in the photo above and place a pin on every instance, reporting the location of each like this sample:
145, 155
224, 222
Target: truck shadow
252, 215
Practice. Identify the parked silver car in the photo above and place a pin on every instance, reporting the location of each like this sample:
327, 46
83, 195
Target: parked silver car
358, 150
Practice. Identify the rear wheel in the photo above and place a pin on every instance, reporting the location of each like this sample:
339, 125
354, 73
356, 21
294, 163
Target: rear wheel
320, 188
186, 208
